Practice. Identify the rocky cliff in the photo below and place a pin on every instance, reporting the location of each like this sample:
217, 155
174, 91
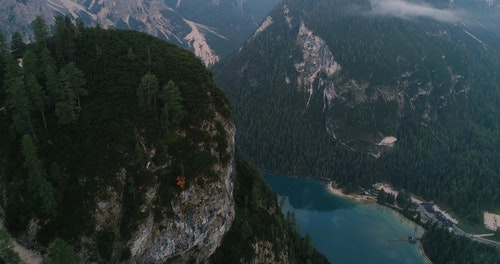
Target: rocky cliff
140, 168
200, 214
193, 24
358, 71
126, 181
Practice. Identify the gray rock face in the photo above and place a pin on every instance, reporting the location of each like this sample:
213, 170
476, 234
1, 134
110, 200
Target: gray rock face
265, 253
193, 24
201, 214
201, 217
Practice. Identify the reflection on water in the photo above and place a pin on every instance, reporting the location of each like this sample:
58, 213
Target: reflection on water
343, 230
302, 194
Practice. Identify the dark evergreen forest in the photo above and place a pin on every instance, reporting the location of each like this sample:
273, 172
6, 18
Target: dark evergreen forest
442, 247
451, 158
80, 103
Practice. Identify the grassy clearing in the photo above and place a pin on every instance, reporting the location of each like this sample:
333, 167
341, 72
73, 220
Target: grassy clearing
473, 228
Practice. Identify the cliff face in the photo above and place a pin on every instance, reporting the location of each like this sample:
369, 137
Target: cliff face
126, 181
193, 24
198, 216
201, 215
260, 232
360, 92
144, 171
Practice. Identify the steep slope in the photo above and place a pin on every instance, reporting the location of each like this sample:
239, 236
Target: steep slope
210, 28
116, 147
109, 176
361, 91
260, 233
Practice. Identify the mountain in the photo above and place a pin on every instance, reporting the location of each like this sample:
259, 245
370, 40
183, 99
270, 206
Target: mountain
117, 147
209, 28
383, 90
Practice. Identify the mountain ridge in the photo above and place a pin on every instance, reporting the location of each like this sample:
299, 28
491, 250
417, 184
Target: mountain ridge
325, 82
117, 147
214, 35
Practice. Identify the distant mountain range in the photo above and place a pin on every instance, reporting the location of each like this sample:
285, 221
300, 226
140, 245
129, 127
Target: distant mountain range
210, 29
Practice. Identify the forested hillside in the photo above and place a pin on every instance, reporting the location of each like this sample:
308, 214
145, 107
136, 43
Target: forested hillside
112, 140
442, 247
323, 82
260, 225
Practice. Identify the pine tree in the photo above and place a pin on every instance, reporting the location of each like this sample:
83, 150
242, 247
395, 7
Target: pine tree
60, 252
37, 96
172, 110
12, 69
51, 84
74, 79
3, 43
37, 180
44, 60
40, 31
19, 105
64, 40
43, 56
65, 108
148, 91
67, 92
17, 45
29, 64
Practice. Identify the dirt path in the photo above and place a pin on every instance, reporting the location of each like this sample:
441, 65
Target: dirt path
27, 256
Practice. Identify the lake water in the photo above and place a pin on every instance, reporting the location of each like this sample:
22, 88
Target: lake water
343, 230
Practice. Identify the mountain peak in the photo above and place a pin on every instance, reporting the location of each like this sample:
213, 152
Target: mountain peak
192, 24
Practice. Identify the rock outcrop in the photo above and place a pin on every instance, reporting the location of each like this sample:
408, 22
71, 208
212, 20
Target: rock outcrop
200, 214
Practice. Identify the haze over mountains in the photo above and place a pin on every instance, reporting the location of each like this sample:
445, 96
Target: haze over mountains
209, 28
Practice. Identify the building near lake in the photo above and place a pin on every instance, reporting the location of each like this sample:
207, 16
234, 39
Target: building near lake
428, 214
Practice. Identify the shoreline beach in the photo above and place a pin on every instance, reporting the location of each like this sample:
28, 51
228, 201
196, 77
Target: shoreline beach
373, 199
356, 197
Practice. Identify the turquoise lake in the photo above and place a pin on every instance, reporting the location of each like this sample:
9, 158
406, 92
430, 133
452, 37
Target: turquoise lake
347, 231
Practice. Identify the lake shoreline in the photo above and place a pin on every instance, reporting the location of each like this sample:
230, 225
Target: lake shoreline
340, 224
356, 197
372, 199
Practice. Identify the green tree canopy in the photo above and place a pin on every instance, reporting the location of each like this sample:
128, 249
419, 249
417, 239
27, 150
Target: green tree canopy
172, 111
12, 69
64, 40
29, 64
60, 252
3, 43
37, 180
7, 253
40, 30
37, 96
148, 91
17, 45
70, 86
19, 105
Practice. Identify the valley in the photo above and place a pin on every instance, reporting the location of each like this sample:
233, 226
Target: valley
341, 228
121, 146
340, 81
